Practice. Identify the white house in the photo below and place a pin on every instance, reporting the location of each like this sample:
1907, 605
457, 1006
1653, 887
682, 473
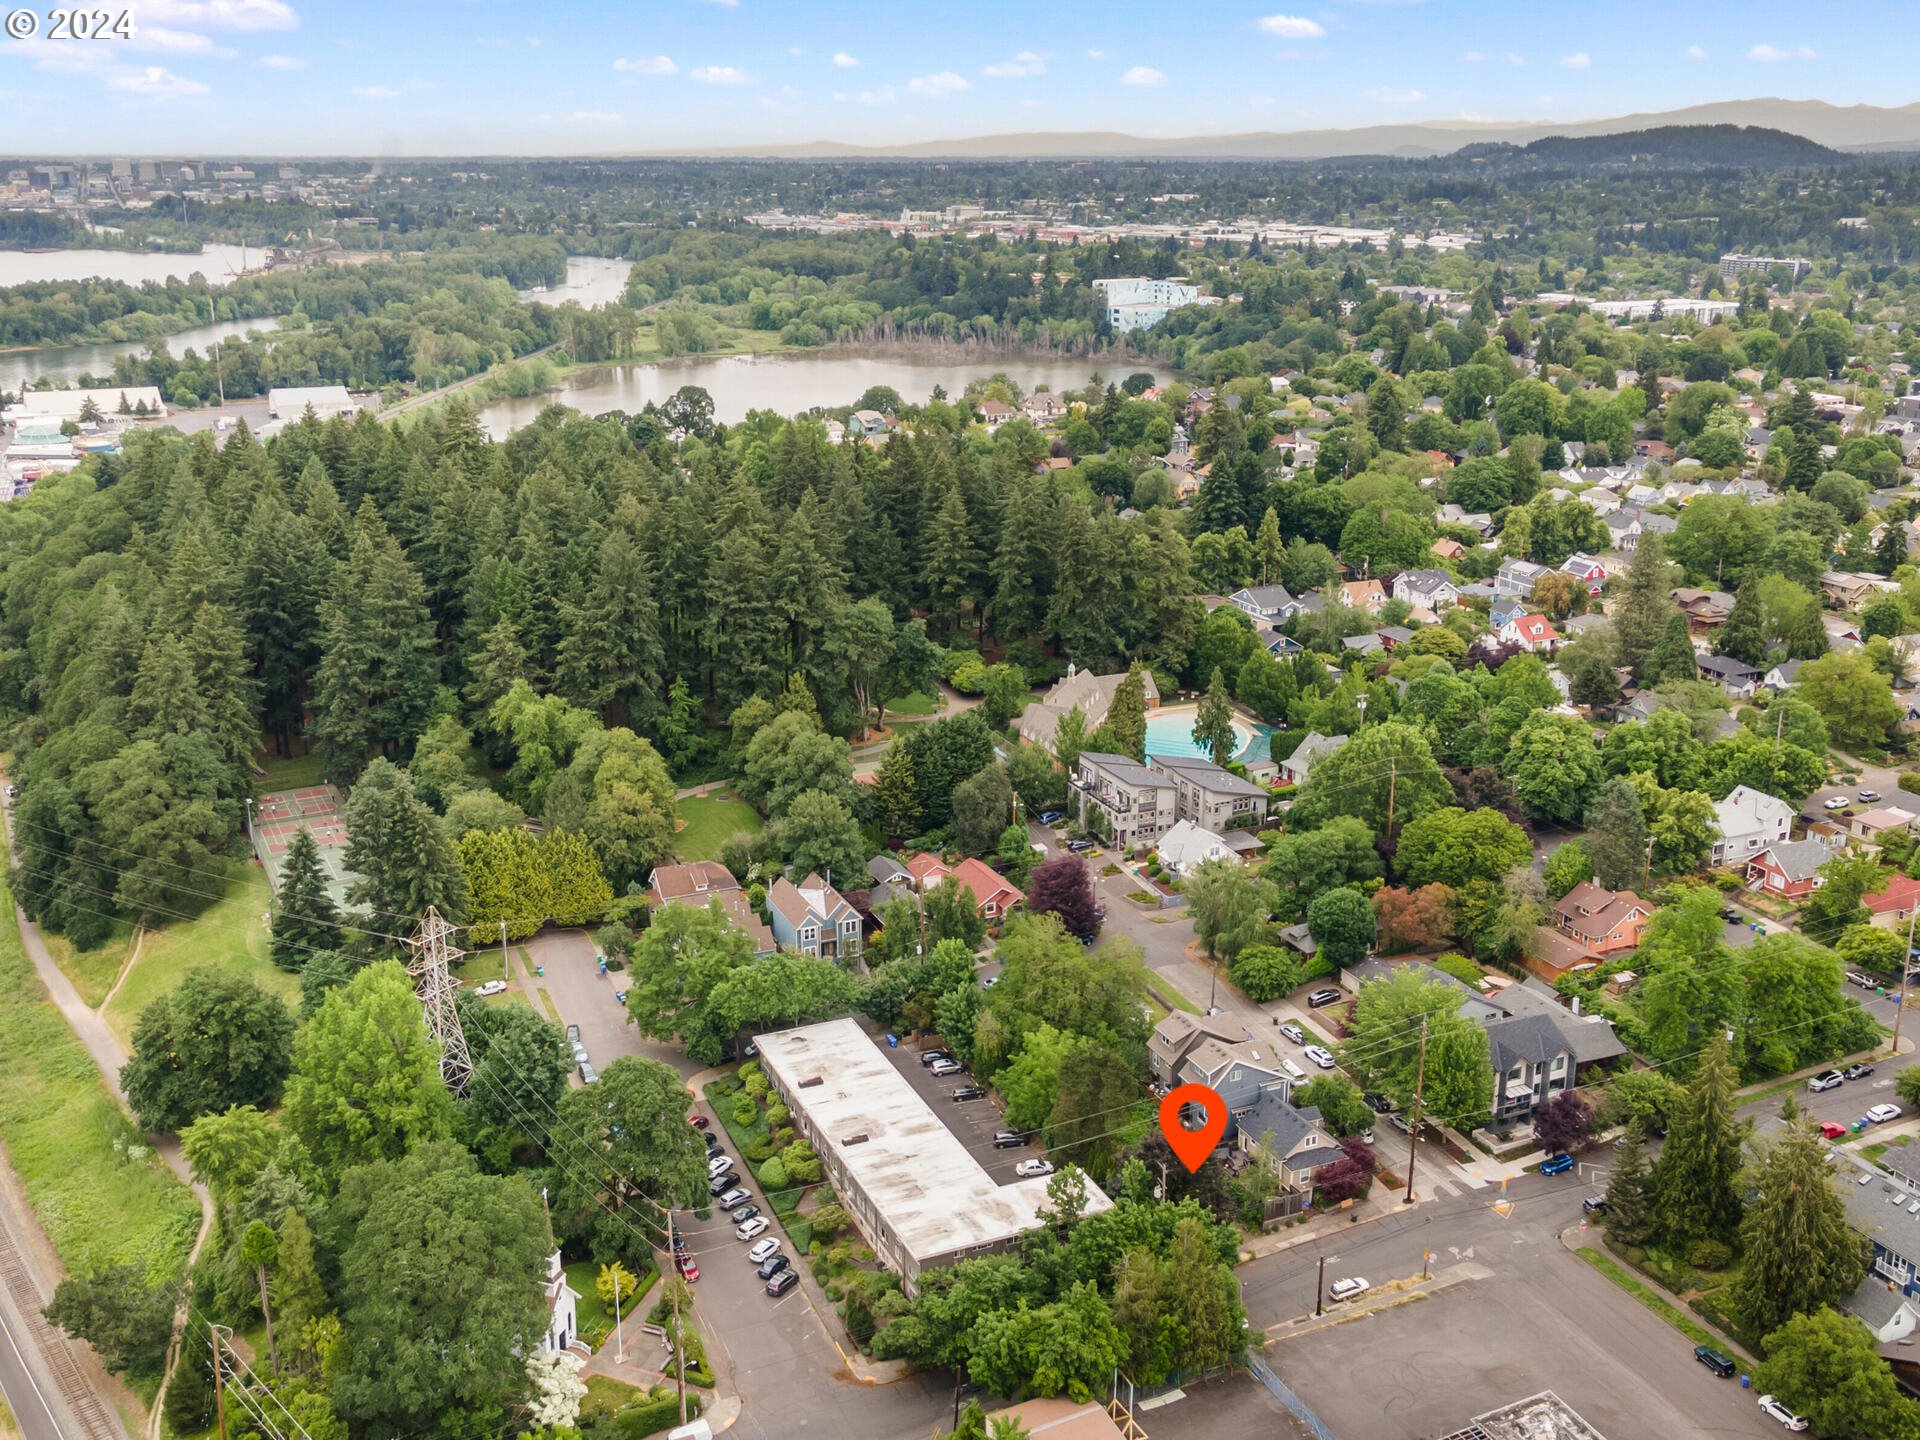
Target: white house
1293, 769
1750, 820
1187, 845
1530, 632
1426, 589
563, 1322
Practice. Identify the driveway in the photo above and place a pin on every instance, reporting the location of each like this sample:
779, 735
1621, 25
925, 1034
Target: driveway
584, 997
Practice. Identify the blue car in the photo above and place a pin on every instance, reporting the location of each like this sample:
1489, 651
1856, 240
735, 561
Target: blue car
1557, 1165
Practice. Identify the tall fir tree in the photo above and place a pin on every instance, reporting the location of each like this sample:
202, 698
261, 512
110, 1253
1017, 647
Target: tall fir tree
1269, 550
1800, 1254
895, 798
949, 559
1744, 636
610, 657
1629, 1217
1213, 720
1673, 656
1645, 605
1127, 715
305, 920
1696, 1181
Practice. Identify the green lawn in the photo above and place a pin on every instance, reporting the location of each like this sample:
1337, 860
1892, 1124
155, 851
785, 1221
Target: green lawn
290, 774
709, 822
102, 1196
93, 971
228, 934
596, 1321
918, 704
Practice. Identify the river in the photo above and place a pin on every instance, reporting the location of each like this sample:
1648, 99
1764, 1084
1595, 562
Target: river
790, 383
217, 263
590, 281
65, 364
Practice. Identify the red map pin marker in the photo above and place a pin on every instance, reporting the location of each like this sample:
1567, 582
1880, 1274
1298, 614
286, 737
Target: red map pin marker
1193, 1146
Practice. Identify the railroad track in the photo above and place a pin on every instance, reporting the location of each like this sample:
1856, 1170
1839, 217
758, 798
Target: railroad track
95, 1418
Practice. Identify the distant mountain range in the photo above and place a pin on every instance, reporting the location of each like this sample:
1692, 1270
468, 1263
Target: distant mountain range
1863, 128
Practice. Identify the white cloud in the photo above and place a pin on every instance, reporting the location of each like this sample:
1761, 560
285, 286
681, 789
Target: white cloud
1773, 53
725, 4
844, 60
720, 75
1292, 27
646, 65
156, 80
597, 117
1696, 52
1143, 75
1096, 54
179, 42
283, 62
943, 83
1580, 60
220, 14
393, 92
1473, 57
1260, 102
1387, 95
1025, 63
883, 96
1513, 59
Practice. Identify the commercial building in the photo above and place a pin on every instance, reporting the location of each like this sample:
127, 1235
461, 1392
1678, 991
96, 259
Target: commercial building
292, 402
914, 1190
1135, 303
1732, 266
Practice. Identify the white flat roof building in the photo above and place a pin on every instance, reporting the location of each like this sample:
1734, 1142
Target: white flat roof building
59, 405
291, 402
916, 1192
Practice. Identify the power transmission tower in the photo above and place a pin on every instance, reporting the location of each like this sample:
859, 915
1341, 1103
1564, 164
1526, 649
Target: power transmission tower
432, 956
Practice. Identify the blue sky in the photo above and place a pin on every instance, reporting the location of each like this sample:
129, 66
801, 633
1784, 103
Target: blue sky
574, 76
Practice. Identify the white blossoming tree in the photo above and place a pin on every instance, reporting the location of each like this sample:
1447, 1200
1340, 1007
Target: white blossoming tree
557, 1389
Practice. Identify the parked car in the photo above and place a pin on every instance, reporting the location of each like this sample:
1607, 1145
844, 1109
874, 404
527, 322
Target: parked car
1050, 817
1079, 847
1836, 803
573, 1034
1881, 1114
734, 1199
1770, 1406
1826, 1080
1294, 1033
1857, 1071
1832, 1131
783, 1282
747, 1229
718, 1161
746, 1213
1401, 1123
712, 1141
619, 997
1557, 1165
1028, 1169
698, 1122
944, 1068
723, 1182
1320, 998
762, 1249
934, 1057
1730, 915
683, 1262
1320, 1056
1347, 1289
773, 1265
1869, 796
1865, 982
1382, 1104
492, 987
588, 1075
1720, 1363
989, 982
1008, 1139
580, 1056
1594, 1205
969, 1092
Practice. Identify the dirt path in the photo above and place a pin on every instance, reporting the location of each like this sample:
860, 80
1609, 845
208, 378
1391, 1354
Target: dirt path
139, 939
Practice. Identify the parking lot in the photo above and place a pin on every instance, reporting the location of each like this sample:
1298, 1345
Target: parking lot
973, 1122
584, 997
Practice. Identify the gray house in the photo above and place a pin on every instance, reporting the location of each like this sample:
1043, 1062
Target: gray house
1293, 1137
1135, 803
1212, 798
813, 918
1270, 604
1294, 769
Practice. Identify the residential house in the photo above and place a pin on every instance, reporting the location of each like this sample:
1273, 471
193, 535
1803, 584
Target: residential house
1736, 677
1135, 804
1624, 526
1790, 869
1583, 566
814, 918
1044, 408
1868, 826
1187, 846
1293, 769
1175, 1036
1448, 549
1091, 694
1601, 921
1847, 589
705, 882
864, 423
1505, 608
1367, 595
1531, 632
1475, 520
1474, 1004
1883, 1205
1426, 589
1590, 1037
1704, 609
1780, 677
1750, 820
1266, 604
995, 413
994, 896
1211, 797
1532, 1062
1891, 907
1291, 1139
1517, 577
1214, 1051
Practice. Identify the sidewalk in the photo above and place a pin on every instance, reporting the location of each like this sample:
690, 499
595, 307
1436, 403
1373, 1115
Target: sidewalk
1383, 1297
1381, 1203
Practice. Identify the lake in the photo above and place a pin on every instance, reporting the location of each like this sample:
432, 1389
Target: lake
791, 383
590, 281
215, 262
67, 363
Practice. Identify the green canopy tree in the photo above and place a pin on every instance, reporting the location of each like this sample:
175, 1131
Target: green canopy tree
216, 1040
622, 1149
1800, 1253
1826, 1367
1385, 776
1696, 1180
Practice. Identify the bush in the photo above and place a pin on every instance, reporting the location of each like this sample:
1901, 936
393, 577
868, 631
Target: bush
1909, 781
773, 1175
1460, 968
650, 1417
746, 1110
860, 1322
1264, 972
1709, 1255
778, 1115
802, 1165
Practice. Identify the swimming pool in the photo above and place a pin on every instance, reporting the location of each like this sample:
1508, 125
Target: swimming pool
1170, 732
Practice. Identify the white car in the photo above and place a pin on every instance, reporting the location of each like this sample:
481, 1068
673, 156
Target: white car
718, 1164
757, 1225
1319, 1055
492, 987
1881, 1114
1027, 1169
762, 1249
943, 1068
1294, 1033
1771, 1406
1347, 1289
1838, 802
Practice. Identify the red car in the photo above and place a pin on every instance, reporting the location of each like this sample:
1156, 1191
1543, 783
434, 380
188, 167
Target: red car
1831, 1130
684, 1263
698, 1122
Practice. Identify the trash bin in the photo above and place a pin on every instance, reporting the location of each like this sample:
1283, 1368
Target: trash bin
540, 970
1746, 1382
893, 1041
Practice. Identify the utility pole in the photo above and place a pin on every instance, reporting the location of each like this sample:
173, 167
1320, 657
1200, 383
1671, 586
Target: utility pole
1419, 1093
620, 1340
1393, 781
1906, 965
1320, 1289
433, 987
219, 1383
1646, 880
679, 1345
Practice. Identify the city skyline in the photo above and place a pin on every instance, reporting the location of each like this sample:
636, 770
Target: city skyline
471, 76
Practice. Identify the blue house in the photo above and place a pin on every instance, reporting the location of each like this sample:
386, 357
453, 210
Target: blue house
813, 918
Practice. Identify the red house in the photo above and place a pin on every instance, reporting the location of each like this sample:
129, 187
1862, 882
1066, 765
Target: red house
1603, 922
1892, 905
993, 893
1789, 869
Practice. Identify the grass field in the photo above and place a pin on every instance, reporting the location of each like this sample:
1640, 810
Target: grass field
289, 774
918, 704
102, 1196
709, 822
93, 971
228, 934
